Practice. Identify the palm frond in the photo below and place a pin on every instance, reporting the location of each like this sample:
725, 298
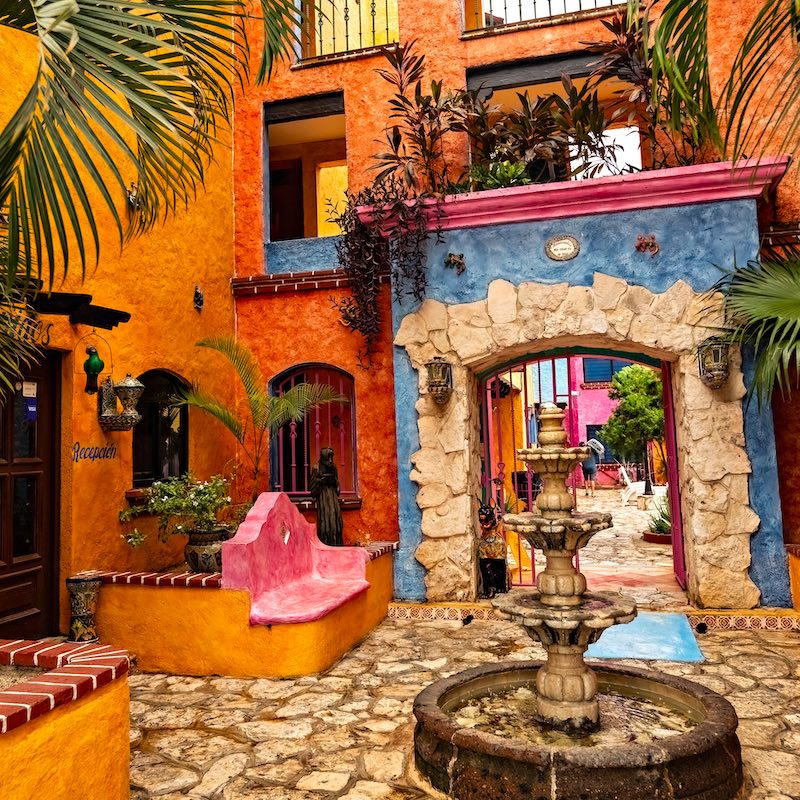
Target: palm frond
242, 360
211, 405
123, 93
762, 307
294, 404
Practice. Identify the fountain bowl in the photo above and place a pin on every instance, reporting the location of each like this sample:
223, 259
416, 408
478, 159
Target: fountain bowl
703, 763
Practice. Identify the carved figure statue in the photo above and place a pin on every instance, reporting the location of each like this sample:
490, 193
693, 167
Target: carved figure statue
325, 491
491, 552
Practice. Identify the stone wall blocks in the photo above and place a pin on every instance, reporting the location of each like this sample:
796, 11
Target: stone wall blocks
532, 322
594, 322
441, 341
672, 305
696, 395
412, 331
620, 320
433, 494
443, 526
508, 334
638, 299
730, 552
579, 301
474, 314
431, 552
707, 526
447, 582
433, 314
724, 588
428, 430
742, 520
647, 329
420, 354
468, 342
608, 291
428, 461
502, 302
713, 458
546, 297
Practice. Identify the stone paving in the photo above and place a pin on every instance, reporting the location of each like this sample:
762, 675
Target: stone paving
348, 732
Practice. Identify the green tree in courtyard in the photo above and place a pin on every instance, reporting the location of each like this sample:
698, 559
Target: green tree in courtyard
638, 418
264, 413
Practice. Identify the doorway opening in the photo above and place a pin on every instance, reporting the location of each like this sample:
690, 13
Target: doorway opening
630, 555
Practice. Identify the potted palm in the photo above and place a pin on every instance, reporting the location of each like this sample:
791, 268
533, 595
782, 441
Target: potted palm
185, 506
264, 413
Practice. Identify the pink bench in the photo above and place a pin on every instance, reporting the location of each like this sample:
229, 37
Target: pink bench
291, 576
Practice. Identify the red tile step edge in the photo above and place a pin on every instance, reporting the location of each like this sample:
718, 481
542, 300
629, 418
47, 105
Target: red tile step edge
197, 580
75, 669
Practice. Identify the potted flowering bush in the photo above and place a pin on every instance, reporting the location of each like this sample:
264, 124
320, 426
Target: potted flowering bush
190, 507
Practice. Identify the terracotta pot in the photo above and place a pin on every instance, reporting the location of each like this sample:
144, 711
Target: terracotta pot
203, 551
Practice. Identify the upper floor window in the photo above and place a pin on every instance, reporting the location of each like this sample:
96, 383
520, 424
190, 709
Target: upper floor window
296, 447
341, 26
307, 165
161, 439
483, 14
602, 370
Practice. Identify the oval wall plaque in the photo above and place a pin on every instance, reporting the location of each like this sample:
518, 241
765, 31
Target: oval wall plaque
562, 248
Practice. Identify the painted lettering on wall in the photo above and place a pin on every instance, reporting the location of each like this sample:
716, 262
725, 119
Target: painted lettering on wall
93, 453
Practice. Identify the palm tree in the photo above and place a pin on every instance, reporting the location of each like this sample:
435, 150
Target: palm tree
265, 413
124, 91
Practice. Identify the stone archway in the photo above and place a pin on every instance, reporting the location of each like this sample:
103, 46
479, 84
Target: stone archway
518, 320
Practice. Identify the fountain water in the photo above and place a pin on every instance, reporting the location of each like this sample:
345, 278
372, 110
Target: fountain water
654, 736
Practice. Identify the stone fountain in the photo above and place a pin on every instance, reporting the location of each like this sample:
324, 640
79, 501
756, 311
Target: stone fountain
560, 730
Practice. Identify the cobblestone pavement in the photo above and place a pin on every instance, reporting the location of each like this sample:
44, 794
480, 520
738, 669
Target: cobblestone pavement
348, 732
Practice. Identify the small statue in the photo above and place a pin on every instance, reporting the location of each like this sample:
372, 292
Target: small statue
491, 552
324, 488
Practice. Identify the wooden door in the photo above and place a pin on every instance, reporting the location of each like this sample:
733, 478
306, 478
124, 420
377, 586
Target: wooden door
29, 504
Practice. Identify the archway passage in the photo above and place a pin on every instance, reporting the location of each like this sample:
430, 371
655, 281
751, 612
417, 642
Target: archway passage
578, 380
714, 464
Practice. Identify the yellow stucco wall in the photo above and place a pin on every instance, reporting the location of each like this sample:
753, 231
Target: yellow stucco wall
78, 750
208, 632
794, 577
153, 278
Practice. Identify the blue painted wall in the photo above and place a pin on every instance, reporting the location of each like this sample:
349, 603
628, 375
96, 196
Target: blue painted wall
695, 242
768, 566
301, 255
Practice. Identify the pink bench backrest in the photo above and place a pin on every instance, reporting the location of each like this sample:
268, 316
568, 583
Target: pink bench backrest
275, 546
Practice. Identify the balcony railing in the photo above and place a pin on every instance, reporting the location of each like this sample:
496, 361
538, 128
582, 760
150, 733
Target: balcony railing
336, 27
487, 14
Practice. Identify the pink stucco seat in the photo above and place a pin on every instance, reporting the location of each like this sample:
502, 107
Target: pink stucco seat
291, 576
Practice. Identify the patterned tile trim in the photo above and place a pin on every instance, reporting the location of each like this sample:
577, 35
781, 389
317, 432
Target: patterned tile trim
74, 670
788, 621
376, 549
193, 580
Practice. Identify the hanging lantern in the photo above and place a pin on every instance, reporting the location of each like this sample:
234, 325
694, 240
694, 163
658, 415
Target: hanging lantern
713, 363
93, 366
440, 379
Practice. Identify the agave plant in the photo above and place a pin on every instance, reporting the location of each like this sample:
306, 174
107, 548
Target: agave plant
265, 413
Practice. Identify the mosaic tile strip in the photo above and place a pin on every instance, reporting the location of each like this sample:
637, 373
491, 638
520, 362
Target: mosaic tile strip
74, 671
430, 612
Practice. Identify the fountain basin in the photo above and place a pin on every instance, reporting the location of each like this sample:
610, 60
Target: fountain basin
467, 764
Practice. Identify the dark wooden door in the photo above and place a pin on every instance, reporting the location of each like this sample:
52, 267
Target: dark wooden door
29, 504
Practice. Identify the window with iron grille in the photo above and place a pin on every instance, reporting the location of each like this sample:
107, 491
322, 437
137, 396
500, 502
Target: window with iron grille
488, 14
296, 447
161, 439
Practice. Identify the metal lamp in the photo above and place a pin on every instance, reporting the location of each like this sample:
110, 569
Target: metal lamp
440, 379
713, 362
127, 391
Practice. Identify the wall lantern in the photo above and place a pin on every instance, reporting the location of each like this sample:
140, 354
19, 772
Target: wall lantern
712, 362
93, 366
440, 379
127, 391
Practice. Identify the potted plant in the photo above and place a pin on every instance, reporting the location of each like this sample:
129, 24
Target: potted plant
186, 506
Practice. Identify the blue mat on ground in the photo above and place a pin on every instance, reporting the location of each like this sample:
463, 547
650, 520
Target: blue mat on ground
651, 636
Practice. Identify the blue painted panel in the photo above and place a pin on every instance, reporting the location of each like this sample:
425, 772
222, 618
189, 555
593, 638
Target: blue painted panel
652, 637
694, 240
769, 568
301, 255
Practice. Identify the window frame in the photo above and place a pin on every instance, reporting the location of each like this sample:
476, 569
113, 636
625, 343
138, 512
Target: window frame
350, 496
177, 382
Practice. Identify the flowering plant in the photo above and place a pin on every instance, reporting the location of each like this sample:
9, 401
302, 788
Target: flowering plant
181, 505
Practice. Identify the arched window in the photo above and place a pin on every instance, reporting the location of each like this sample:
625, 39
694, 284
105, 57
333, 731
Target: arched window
296, 447
161, 439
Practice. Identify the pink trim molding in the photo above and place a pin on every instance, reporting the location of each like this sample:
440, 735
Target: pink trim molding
702, 183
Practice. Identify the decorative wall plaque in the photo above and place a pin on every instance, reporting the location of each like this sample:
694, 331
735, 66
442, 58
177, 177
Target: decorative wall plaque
562, 248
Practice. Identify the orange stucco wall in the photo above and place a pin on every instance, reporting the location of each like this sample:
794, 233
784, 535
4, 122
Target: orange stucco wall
80, 749
153, 278
208, 632
290, 329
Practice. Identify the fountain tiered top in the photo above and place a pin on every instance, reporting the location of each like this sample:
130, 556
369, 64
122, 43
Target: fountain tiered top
562, 615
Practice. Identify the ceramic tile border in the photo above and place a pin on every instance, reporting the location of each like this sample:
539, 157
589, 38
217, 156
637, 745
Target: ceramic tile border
426, 612
74, 670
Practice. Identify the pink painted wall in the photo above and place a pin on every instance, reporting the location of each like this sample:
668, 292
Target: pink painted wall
593, 406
